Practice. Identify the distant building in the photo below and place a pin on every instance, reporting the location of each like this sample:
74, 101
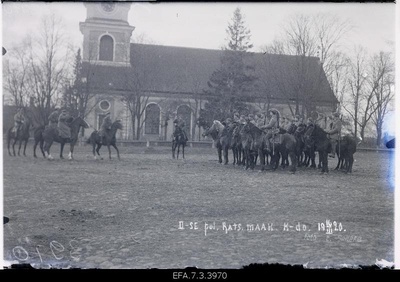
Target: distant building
172, 80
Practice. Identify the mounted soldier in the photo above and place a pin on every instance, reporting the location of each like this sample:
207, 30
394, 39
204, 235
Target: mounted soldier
105, 126
53, 118
271, 127
260, 120
64, 130
334, 132
251, 119
19, 119
321, 121
179, 124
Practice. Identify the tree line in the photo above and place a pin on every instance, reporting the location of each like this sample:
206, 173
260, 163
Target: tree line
44, 71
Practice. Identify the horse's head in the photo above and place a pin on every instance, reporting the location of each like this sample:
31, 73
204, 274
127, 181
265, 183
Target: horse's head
117, 125
78, 121
210, 131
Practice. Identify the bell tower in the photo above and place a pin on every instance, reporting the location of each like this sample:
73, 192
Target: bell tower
106, 33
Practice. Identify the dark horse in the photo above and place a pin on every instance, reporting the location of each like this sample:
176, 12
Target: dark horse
253, 144
47, 135
222, 139
178, 141
109, 139
283, 145
345, 151
22, 135
317, 136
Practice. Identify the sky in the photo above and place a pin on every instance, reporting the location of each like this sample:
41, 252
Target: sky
202, 25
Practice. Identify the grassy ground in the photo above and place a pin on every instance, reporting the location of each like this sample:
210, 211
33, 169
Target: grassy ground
127, 213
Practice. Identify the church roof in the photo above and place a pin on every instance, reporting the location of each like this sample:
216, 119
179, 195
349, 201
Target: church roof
167, 70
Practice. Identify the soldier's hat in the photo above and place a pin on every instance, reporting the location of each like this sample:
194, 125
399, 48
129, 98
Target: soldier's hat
64, 110
274, 111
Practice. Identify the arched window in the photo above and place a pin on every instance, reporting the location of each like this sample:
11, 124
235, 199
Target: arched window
152, 123
106, 48
186, 114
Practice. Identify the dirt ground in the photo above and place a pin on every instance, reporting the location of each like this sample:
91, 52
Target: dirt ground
150, 211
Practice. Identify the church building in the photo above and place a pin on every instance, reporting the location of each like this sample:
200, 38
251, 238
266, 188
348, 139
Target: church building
159, 82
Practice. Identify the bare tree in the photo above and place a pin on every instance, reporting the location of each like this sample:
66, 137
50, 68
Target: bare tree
16, 73
357, 80
338, 76
48, 64
306, 37
382, 68
366, 79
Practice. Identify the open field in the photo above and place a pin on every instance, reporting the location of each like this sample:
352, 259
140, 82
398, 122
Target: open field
126, 214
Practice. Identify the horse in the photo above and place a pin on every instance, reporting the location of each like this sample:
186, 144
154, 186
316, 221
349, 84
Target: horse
47, 135
322, 144
283, 144
109, 140
247, 139
237, 145
258, 146
345, 151
22, 135
300, 144
222, 139
178, 141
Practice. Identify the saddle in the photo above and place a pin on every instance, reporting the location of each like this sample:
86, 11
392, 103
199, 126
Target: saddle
276, 139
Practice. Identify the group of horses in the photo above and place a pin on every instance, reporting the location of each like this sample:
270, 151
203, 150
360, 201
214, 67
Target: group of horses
45, 136
248, 143
299, 144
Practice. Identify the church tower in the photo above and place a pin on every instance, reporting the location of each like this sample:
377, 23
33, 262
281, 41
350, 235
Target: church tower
106, 33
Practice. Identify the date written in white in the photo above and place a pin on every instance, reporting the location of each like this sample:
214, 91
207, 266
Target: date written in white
335, 238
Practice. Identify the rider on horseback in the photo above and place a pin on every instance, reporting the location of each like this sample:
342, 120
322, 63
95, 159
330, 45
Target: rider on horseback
63, 127
271, 127
180, 125
105, 126
19, 119
53, 118
334, 133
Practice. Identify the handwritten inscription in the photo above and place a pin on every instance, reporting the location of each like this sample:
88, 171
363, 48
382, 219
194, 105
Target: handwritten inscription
55, 250
328, 230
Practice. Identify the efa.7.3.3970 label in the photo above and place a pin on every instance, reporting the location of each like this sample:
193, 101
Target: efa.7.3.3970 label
201, 275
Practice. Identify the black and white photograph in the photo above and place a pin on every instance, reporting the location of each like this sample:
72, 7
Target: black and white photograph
224, 135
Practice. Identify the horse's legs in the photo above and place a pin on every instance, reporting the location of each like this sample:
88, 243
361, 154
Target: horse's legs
13, 146
293, 159
109, 151
338, 163
98, 150
41, 144
226, 155
8, 144
183, 151
173, 149
115, 147
93, 150
177, 153
46, 150
350, 166
71, 152
324, 160
262, 158
34, 148
26, 143
219, 154
19, 147
61, 149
